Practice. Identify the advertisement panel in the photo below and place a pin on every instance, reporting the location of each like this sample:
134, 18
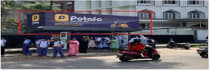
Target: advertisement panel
81, 20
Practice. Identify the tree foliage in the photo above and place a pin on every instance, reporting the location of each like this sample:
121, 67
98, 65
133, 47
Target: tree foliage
10, 23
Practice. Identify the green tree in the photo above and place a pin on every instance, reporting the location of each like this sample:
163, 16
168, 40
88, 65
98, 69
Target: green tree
10, 23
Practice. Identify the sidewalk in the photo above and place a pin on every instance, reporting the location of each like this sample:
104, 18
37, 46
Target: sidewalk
20, 57
19, 50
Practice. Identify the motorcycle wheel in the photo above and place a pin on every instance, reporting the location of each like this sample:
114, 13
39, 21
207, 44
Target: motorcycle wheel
124, 59
155, 57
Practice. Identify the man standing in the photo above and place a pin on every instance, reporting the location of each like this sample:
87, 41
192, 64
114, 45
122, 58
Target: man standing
3, 44
58, 48
43, 47
26, 47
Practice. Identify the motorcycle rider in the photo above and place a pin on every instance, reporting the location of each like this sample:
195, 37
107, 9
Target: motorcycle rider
142, 45
148, 47
151, 42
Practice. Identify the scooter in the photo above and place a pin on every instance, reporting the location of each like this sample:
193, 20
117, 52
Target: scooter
203, 51
126, 54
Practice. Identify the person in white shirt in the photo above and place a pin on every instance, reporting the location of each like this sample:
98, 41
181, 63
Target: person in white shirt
43, 47
98, 42
26, 47
3, 44
91, 43
58, 48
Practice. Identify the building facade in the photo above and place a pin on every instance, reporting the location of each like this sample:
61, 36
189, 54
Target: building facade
170, 17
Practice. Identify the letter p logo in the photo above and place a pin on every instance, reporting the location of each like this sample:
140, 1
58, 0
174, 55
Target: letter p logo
35, 17
61, 17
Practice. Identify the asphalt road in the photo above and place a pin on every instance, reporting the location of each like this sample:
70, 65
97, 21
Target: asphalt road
170, 59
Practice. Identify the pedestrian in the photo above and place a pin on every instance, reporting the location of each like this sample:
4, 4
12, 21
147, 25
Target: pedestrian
83, 47
100, 46
3, 45
114, 44
73, 47
26, 47
98, 42
37, 45
91, 43
43, 47
119, 39
57, 48
106, 42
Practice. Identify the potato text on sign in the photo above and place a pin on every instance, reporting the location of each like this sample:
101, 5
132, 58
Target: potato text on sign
61, 17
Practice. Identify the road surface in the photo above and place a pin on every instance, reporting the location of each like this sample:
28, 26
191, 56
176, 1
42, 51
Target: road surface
170, 59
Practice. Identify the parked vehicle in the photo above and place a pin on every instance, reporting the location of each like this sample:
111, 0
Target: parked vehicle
126, 54
179, 45
203, 51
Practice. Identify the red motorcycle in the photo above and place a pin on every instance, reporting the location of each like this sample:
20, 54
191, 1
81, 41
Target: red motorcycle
137, 50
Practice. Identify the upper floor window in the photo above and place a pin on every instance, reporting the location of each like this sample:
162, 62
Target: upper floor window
193, 2
169, 2
143, 1
145, 15
170, 15
196, 15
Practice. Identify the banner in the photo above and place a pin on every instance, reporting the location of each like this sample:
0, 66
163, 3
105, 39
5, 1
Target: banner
82, 20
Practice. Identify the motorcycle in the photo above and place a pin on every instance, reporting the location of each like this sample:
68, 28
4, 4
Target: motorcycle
203, 51
180, 45
138, 51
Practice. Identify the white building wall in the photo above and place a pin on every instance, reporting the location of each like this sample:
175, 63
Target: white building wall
157, 7
83, 6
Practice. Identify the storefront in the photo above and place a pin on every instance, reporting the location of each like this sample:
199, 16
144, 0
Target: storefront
63, 22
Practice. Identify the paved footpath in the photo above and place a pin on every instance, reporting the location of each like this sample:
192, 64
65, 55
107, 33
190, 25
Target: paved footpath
170, 59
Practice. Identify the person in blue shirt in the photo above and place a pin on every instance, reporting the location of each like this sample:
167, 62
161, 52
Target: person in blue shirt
58, 48
26, 47
43, 45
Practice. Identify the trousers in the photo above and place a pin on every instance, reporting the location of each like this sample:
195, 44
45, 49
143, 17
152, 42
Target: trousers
58, 50
42, 51
26, 50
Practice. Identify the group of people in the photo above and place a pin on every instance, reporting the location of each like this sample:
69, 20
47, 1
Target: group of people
105, 43
42, 47
75, 46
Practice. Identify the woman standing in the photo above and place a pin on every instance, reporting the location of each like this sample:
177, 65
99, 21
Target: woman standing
73, 47
91, 43
114, 44
84, 44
